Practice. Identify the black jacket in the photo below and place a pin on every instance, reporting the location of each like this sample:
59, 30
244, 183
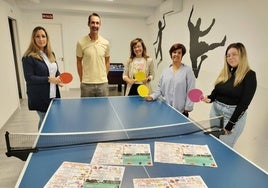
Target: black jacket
36, 74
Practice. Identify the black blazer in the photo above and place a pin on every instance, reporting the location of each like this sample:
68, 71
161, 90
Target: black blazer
36, 75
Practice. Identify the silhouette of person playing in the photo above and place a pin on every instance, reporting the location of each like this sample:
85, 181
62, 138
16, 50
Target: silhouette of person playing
159, 39
197, 48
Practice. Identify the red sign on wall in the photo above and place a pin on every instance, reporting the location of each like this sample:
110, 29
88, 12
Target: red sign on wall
47, 16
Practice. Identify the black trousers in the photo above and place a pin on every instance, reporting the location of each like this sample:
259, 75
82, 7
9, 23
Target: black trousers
133, 89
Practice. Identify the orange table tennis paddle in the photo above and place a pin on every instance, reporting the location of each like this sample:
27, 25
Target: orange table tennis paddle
66, 77
143, 90
140, 76
195, 95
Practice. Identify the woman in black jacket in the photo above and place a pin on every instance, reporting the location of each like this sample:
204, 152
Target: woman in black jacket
233, 92
41, 73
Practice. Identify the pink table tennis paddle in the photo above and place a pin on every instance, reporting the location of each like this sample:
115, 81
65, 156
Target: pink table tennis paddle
195, 95
66, 77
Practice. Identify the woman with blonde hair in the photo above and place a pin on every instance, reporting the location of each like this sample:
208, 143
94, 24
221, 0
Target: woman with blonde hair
138, 61
40, 72
233, 92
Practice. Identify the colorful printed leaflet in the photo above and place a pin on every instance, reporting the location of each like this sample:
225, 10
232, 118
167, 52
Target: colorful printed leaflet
71, 174
122, 154
189, 154
174, 182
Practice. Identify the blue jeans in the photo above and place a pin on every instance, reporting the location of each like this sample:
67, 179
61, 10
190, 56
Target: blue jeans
220, 109
41, 118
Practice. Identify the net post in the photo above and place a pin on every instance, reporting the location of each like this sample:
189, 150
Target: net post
21, 154
7, 142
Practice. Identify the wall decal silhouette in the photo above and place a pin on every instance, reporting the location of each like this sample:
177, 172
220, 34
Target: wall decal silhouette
161, 27
199, 48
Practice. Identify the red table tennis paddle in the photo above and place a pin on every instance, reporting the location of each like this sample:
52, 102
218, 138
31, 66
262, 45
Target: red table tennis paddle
195, 95
66, 77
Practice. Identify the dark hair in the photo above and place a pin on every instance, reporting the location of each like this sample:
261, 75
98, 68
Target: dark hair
93, 14
177, 46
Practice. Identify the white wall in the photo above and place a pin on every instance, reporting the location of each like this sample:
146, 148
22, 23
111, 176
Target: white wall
9, 100
240, 20
119, 31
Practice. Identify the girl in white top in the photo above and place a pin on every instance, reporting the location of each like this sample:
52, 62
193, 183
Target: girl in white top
138, 61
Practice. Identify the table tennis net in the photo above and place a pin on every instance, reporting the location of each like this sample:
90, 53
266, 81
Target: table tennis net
21, 144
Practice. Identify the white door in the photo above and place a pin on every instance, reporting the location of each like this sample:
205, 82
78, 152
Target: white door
55, 34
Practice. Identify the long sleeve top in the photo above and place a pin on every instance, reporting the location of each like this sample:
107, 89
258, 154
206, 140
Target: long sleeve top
174, 86
240, 95
36, 75
129, 71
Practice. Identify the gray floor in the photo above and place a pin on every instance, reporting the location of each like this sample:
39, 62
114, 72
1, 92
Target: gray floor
24, 120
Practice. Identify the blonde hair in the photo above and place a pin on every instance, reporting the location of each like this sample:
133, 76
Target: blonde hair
242, 68
34, 51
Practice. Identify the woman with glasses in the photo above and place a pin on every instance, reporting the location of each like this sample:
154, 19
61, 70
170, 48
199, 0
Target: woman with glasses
138, 61
233, 92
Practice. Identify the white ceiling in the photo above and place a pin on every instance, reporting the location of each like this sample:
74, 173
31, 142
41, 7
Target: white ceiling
128, 8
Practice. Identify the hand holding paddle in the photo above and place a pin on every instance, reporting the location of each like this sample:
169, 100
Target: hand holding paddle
143, 90
66, 77
206, 99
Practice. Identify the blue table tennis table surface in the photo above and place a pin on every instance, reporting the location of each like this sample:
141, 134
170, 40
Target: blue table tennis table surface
116, 113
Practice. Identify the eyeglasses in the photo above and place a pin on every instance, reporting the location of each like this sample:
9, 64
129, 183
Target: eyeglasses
137, 46
228, 56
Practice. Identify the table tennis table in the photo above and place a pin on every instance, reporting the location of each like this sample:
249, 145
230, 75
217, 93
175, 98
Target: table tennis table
113, 113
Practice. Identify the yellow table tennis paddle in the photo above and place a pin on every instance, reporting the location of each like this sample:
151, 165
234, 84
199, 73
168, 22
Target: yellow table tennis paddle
143, 90
140, 76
